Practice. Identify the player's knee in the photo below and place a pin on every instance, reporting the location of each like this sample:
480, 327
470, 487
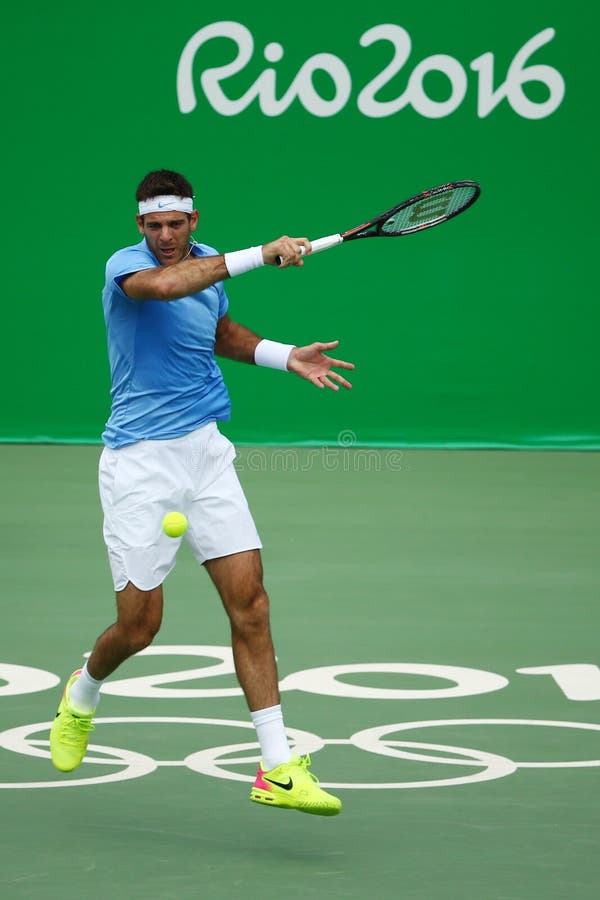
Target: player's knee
139, 640
141, 635
253, 613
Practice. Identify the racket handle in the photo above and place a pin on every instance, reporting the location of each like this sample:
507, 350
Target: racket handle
324, 243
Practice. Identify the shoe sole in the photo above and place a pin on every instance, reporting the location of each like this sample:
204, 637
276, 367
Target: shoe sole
267, 799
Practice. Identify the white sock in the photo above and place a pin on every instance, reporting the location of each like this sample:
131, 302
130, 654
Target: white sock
84, 695
271, 736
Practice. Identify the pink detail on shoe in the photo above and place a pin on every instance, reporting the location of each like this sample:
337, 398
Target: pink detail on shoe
260, 782
70, 678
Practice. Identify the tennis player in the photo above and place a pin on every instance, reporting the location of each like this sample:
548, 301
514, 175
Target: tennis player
166, 318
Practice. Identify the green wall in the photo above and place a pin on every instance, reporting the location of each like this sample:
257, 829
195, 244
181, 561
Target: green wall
481, 332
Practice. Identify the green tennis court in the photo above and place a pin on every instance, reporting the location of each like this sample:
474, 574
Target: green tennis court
435, 611
425, 579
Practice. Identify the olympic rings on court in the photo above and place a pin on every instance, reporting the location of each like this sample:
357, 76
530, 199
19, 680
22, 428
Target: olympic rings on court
220, 761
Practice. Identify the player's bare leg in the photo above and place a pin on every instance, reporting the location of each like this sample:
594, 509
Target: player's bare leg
239, 581
283, 780
139, 616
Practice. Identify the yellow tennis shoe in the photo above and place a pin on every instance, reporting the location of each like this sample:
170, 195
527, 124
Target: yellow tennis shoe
69, 732
291, 786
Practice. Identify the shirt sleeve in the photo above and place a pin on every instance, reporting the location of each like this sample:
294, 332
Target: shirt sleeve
126, 262
223, 299
205, 250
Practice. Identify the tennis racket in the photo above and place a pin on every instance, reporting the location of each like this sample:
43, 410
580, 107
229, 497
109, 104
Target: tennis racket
422, 211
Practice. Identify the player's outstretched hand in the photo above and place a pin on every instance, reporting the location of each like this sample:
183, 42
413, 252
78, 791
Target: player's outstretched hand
311, 363
286, 251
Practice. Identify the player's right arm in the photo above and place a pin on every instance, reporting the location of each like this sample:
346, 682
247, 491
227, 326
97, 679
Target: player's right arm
195, 274
190, 276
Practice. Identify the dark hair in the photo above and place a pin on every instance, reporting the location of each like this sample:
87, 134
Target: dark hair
163, 181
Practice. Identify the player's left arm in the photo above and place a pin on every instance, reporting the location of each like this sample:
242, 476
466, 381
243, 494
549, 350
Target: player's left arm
235, 341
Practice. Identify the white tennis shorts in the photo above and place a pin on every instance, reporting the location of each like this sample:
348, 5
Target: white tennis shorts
194, 475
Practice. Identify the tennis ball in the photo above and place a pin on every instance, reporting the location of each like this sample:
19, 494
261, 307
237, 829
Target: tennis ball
174, 524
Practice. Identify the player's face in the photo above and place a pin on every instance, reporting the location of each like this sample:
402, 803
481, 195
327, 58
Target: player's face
168, 234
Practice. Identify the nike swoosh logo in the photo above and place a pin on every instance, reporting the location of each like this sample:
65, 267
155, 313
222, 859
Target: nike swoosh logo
286, 787
163, 205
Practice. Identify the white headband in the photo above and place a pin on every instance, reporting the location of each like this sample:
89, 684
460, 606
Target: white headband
166, 203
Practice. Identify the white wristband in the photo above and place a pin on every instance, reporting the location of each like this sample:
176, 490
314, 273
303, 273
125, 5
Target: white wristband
241, 261
272, 354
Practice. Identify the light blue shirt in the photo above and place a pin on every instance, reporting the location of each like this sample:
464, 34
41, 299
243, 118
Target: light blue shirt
165, 380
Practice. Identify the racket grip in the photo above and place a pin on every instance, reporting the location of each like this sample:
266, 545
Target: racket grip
324, 243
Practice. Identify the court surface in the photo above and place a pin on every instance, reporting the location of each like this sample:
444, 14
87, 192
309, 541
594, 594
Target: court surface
419, 584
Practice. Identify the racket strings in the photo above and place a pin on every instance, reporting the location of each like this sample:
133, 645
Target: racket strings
428, 210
